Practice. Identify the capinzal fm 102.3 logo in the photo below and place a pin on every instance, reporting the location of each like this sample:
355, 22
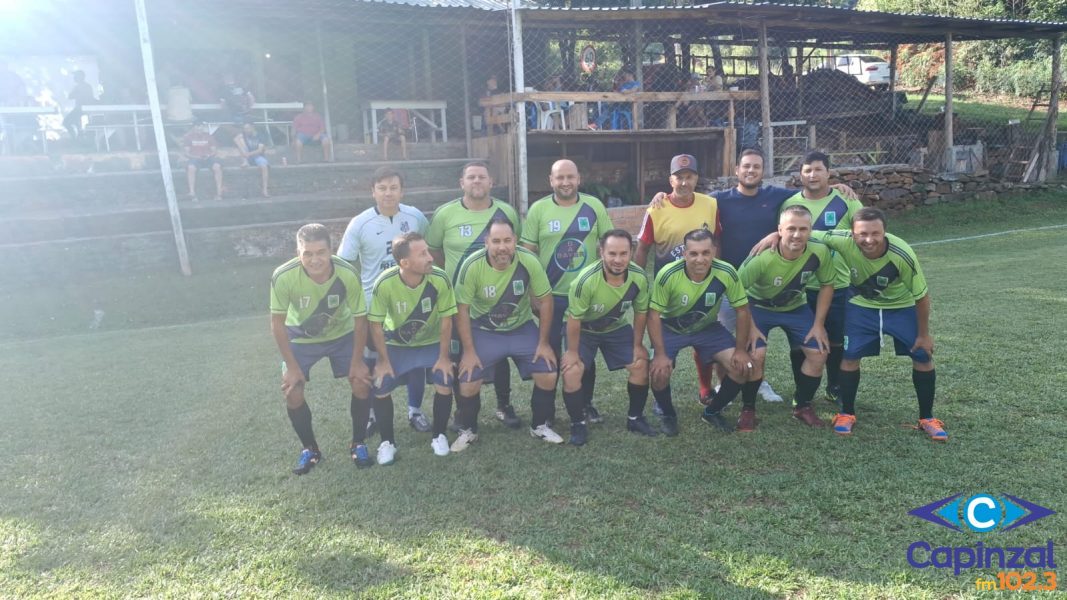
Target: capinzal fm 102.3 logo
981, 513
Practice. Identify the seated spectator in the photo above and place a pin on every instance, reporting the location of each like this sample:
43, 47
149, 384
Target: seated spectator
627, 84
713, 81
202, 151
255, 153
310, 128
391, 129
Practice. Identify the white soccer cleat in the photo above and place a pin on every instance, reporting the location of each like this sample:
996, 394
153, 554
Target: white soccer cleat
466, 438
440, 445
386, 453
545, 433
768, 394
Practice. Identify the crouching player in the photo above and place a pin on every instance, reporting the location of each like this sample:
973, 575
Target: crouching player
318, 311
411, 326
775, 282
683, 312
603, 299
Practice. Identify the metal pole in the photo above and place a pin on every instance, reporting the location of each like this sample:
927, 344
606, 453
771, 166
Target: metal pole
765, 101
1054, 103
520, 108
893, 79
161, 138
639, 71
466, 90
325, 92
949, 155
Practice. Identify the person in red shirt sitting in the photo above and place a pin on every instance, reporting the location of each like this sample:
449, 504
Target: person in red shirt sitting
310, 128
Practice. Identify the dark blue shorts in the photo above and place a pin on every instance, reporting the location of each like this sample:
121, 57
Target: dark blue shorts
835, 317
519, 345
558, 329
204, 163
339, 352
795, 323
864, 328
407, 361
617, 347
707, 342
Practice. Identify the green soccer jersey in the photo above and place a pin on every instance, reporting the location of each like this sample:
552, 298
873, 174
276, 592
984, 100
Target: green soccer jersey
602, 307
566, 236
460, 232
774, 283
894, 280
317, 312
411, 316
827, 214
688, 306
500, 300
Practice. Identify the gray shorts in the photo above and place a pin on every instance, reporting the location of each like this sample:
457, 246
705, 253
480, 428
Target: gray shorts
519, 344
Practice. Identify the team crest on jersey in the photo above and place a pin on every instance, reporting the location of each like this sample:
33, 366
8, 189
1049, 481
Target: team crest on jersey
583, 223
427, 305
882, 280
333, 301
709, 299
626, 304
805, 276
829, 219
405, 227
518, 287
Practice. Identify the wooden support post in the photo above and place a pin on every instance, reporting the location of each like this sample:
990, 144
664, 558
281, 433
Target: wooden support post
1054, 102
893, 79
950, 158
765, 101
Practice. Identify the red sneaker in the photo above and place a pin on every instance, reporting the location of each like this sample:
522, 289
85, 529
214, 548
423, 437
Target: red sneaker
747, 421
807, 416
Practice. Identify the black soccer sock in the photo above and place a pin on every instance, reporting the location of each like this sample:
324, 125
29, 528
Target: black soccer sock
383, 409
300, 417
665, 400
849, 383
467, 409
360, 410
543, 406
575, 403
589, 384
833, 366
748, 393
796, 360
924, 382
502, 383
638, 397
726, 394
442, 407
806, 388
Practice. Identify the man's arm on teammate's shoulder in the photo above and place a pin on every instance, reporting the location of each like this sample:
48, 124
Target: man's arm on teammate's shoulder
768, 242
922, 314
845, 190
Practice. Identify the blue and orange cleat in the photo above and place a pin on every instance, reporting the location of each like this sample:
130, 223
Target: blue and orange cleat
843, 423
308, 459
934, 428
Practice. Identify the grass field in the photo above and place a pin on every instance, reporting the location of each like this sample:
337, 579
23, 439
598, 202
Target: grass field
142, 460
986, 110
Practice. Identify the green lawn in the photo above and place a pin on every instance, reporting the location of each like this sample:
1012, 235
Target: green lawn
154, 461
988, 112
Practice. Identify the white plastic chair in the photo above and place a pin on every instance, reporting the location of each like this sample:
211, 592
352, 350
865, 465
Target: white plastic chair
545, 112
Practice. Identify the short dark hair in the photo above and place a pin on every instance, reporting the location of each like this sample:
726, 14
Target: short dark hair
751, 152
383, 173
500, 221
473, 163
314, 232
869, 213
619, 233
816, 156
798, 209
699, 235
402, 244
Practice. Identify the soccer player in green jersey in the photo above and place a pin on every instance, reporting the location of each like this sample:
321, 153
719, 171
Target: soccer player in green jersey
891, 298
775, 282
411, 327
830, 210
318, 311
457, 230
683, 312
495, 290
606, 312
563, 229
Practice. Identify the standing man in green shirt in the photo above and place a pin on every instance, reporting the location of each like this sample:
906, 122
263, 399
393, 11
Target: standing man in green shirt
891, 298
775, 283
496, 289
563, 230
457, 230
411, 327
606, 312
318, 311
